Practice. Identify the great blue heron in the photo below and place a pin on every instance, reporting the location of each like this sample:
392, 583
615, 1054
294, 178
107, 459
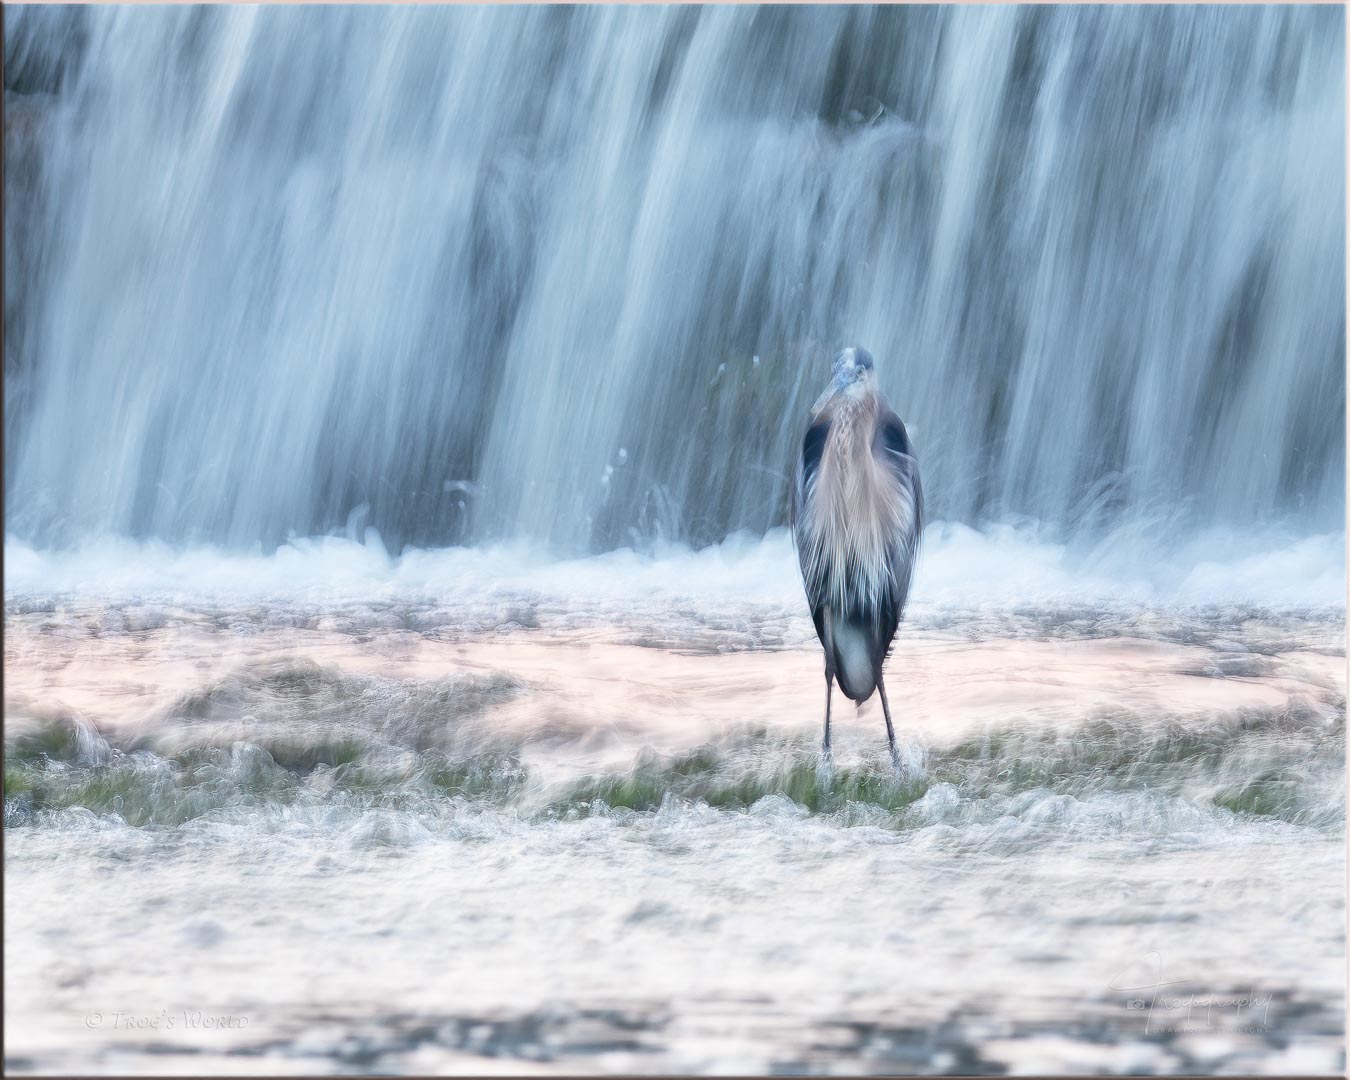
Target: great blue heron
857, 516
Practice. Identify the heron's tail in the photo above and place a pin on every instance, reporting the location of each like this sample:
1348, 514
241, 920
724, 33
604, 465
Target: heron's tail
854, 665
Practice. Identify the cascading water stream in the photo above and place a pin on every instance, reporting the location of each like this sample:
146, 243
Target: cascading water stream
574, 275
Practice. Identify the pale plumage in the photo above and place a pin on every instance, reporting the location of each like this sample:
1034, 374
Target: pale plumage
857, 520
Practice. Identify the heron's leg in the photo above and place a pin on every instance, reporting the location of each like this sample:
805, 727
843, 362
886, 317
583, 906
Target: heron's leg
890, 729
829, 692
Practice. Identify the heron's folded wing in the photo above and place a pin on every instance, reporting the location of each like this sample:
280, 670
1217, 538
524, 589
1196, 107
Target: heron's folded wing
804, 490
813, 446
896, 453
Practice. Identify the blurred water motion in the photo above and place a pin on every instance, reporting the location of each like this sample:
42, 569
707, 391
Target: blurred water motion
411, 839
402, 651
573, 274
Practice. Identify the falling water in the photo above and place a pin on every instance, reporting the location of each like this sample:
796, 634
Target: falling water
574, 274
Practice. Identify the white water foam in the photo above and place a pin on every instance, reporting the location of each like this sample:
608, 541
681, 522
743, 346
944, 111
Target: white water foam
998, 566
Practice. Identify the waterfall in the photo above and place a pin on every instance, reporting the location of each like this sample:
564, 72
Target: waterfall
574, 275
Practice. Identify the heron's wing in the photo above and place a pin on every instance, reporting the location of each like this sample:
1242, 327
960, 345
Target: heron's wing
813, 446
804, 493
896, 454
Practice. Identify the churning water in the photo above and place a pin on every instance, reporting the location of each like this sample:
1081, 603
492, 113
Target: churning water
406, 667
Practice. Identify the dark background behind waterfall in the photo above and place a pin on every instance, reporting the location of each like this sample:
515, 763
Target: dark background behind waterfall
576, 274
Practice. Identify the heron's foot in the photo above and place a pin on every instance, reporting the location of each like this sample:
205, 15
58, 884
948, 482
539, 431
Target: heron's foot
825, 769
910, 761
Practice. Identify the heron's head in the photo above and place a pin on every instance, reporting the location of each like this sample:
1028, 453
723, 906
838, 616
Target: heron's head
852, 367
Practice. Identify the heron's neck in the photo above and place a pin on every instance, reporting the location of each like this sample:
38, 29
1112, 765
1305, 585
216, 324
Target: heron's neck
855, 484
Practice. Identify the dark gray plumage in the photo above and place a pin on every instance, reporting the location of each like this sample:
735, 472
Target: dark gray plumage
857, 517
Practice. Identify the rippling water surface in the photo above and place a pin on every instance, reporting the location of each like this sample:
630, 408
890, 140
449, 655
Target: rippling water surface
463, 820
